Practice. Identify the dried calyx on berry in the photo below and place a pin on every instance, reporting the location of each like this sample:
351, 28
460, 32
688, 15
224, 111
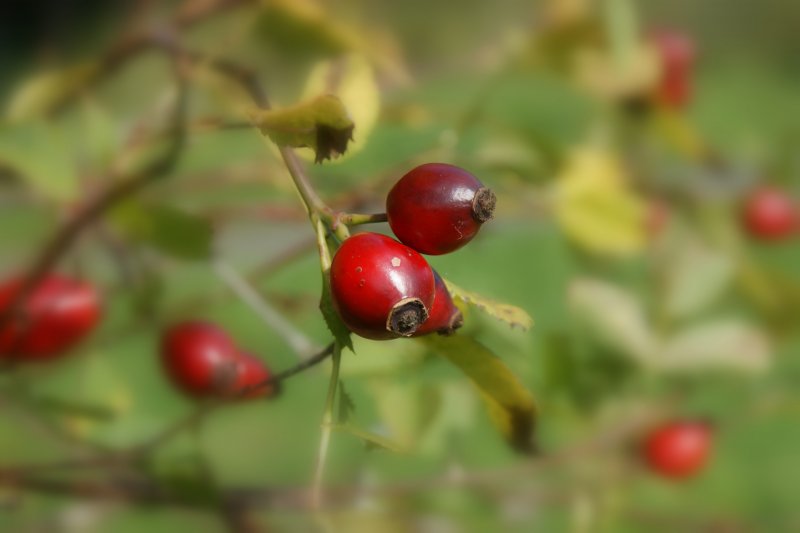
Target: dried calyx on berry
381, 288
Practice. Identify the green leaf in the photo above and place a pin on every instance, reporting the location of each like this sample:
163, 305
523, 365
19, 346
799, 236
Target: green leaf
99, 137
41, 94
185, 474
72, 408
613, 314
546, 109
406, 408
510, 314
346, 405
719, 343
167, 228
94, 382
40, 154
621, 26
372, 440
510, 404
696, 276
321, 124
335, 325
302, 29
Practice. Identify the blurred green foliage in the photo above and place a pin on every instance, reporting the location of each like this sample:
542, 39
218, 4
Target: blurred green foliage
468, 90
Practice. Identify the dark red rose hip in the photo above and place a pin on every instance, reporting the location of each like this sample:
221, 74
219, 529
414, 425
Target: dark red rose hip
445, 318
57, 314
381, 288
437, 208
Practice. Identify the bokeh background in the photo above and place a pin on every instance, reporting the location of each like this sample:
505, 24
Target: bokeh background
619, 230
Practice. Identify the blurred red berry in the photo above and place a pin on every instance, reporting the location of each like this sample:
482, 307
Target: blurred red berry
250, 373
770, 214
678, 449
200, 358
56, 315
676, 56
657, 217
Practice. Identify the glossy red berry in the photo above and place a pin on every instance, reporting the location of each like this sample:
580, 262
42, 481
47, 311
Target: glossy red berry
437, 208
381, 288
251, 372
58, 313
770, 214
445, 318
200, 359
676, 55
678, 449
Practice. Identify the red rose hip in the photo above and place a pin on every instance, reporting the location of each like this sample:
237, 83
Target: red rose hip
250, 373
56, 315
200, 359
676, 55
678, 449
445, 318
437, 208
381, 288
770, 214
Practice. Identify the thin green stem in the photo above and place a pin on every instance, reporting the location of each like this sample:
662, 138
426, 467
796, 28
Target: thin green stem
354, 219
300, 344
322, 242
327, 424
311, 199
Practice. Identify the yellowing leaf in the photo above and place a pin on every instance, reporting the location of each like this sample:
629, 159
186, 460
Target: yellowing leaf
595, 208
352, 79
305, 25
44, 92
321, 124
511, 406
510, 314
40, 154
680, 134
